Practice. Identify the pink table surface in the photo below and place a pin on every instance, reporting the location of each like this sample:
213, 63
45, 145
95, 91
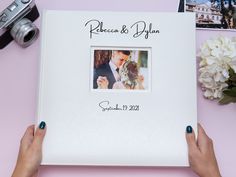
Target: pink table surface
18, 91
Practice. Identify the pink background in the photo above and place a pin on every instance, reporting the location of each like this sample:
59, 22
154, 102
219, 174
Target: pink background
18, 90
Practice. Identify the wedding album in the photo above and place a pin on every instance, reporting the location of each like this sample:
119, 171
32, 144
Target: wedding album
117, 88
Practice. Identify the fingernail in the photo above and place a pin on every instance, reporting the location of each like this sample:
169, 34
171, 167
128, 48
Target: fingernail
189, 129
42, 125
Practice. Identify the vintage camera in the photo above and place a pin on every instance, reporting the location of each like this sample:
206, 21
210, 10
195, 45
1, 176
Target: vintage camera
16, 23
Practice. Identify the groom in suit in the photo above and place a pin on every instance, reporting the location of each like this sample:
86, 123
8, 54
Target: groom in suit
108, 73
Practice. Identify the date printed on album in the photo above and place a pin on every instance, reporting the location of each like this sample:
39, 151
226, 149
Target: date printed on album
107, 106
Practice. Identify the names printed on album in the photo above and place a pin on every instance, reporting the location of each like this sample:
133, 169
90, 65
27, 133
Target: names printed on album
137, 29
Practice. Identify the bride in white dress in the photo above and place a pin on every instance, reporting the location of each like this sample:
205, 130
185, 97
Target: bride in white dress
129, 77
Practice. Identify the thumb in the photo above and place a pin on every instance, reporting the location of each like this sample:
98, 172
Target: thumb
190, 138
39, 135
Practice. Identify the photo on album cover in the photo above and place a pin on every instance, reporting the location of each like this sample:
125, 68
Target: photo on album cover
213, 14
120, 68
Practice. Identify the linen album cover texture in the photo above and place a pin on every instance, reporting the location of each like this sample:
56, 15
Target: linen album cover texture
117, 88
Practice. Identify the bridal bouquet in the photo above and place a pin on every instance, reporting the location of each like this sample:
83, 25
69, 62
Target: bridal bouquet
218, 69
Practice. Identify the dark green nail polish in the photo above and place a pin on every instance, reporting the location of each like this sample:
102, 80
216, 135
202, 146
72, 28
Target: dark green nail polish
189, 129
42, 125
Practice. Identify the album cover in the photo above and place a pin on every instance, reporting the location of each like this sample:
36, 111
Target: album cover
117, 88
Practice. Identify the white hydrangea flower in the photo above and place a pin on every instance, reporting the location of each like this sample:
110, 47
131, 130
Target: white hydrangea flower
217, 56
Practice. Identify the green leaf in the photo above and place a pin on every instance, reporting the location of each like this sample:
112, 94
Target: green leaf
230, 92
233, 78
227, 99
231, 72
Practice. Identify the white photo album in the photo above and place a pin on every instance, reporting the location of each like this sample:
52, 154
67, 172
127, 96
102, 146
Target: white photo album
117, 88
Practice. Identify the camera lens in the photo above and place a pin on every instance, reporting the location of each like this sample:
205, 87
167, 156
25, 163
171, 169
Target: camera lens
29, 36
24, 32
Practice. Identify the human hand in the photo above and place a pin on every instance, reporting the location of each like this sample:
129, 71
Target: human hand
201, 153
30, 153
102, 82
